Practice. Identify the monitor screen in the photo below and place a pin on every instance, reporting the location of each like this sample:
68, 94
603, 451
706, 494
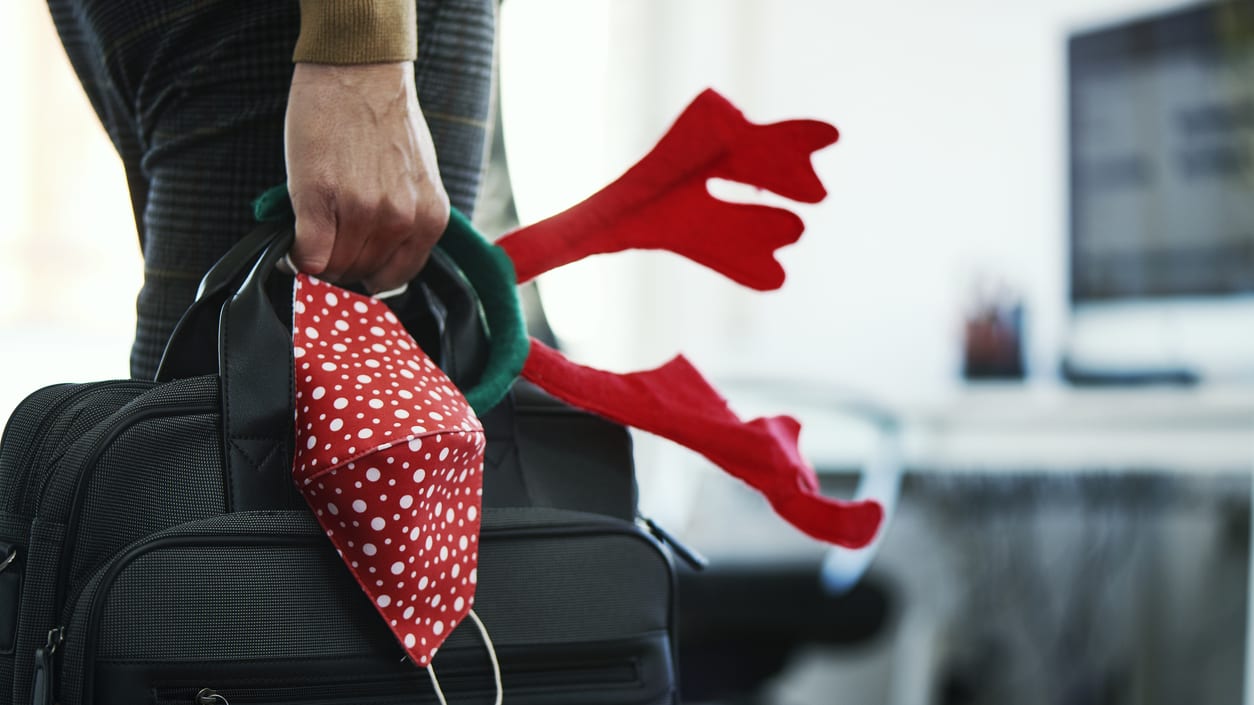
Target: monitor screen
1162, 156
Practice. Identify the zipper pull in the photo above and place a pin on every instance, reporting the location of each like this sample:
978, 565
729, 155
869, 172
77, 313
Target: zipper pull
43, 688
209, 696
695, 560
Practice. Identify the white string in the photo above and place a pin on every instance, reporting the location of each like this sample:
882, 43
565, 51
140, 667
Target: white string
435, 683
496, 665
389, 293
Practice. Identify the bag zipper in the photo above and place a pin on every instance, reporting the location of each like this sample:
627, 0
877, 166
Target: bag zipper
43, 682
205, 696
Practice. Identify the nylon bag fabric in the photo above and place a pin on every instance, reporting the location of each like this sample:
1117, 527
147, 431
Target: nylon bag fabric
155, 549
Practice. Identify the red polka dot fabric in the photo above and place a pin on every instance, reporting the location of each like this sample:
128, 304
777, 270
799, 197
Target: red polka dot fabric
389, 457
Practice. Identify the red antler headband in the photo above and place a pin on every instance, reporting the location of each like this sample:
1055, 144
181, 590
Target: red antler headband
662, 203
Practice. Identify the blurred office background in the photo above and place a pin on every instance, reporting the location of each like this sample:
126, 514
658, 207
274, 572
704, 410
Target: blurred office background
1064, 534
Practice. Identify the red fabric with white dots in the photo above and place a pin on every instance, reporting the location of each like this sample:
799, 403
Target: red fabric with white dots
389, 457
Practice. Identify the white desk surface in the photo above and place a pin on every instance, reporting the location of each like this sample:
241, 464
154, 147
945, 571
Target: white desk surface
1026, 429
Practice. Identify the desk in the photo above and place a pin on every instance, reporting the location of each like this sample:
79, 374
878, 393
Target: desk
1006, 430
1146, 430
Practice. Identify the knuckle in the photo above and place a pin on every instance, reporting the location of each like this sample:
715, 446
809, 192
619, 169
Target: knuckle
316, 195
391, 210
430, 221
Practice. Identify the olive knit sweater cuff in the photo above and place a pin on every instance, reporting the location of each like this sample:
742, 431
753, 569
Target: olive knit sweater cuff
357, 32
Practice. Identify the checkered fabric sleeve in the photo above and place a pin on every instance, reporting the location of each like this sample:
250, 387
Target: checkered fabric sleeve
193, 96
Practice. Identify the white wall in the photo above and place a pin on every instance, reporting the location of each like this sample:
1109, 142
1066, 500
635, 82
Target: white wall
949, 168
951, 116
70, 264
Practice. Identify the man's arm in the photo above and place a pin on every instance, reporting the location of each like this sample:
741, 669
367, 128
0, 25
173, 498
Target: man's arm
361, 164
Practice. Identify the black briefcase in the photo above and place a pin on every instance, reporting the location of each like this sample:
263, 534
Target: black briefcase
154, 550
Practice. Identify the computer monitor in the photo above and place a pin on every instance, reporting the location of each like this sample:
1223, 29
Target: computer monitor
1161, 123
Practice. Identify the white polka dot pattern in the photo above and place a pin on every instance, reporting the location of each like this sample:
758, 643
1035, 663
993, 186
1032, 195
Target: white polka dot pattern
390, 459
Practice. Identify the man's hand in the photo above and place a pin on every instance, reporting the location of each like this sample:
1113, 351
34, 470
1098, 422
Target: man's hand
362, 174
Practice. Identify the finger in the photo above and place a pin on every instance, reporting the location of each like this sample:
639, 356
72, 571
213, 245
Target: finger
354, 229
315, 232
388, 231
401, 266
404, 263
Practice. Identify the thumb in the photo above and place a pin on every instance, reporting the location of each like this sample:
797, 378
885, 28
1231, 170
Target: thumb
315, 234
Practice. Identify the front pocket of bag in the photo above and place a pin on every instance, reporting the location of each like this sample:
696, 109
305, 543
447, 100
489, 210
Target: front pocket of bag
262, 603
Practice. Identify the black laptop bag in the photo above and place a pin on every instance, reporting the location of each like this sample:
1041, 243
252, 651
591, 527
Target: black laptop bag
154, 551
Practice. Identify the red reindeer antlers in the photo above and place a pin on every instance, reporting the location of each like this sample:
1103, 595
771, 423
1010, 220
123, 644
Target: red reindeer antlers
674, 401
662, 202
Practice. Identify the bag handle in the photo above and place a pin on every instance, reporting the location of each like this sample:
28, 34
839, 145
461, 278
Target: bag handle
252, 339
256, 385
191, 348
484, 266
